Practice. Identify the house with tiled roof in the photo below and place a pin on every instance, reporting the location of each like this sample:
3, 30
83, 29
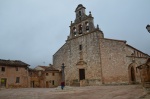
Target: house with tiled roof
39, 67
44, 77
14, 74
52, 77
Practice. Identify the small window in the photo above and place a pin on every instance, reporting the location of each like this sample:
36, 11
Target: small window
79, 13
46, 74
53, 83
80, 47
3, 69
53, 74
87, 26
80, 29
17, 79
75, 31
16, 68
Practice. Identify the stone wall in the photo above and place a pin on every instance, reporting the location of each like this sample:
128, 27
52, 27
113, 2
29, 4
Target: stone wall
113, 56
107, 61
69, 54
117, 59
134, 58
60, 56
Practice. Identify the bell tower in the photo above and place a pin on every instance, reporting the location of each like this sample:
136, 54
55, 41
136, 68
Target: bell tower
83, 24
80, 12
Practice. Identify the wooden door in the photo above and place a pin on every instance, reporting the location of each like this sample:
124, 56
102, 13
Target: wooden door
81, 74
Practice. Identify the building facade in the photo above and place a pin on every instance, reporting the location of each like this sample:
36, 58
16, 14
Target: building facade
44, 77
36, 78
91, 59
52, 77
13, 74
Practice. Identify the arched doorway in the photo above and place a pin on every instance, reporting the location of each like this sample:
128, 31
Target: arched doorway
133, 79
132, 73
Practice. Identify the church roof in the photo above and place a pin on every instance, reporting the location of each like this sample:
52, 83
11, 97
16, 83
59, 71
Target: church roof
12, 63
137, 49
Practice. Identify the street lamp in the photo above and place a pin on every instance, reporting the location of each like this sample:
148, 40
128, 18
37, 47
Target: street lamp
63, 73
63, 76
148, 28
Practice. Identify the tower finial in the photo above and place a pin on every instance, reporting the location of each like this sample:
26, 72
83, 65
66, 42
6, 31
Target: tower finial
71, 22
90, 13
97, 26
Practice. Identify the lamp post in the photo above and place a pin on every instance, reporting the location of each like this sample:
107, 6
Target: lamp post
63, 76
63, 73
148, 28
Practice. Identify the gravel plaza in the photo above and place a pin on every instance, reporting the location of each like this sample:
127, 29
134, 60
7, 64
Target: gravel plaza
88, 92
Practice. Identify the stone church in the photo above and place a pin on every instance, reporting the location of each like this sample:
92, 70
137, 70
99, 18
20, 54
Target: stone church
92, 59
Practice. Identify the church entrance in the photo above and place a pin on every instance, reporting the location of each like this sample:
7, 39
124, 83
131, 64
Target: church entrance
133, 80
81, 74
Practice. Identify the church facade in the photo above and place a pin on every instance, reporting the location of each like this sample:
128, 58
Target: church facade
91, 59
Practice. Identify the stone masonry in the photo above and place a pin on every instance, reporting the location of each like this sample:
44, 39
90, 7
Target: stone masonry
91, 59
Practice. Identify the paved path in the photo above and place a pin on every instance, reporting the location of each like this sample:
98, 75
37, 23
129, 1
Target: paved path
89, 92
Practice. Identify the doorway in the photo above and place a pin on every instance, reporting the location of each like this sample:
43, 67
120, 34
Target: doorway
133, 79
3, 82
32, 84
47, 84
81, 74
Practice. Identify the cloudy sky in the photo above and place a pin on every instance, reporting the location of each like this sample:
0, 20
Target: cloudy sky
33, 30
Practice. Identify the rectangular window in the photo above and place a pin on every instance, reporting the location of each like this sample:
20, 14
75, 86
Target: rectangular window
16, 68
17, 79
3, 69
53, 74
53, 82
80, 47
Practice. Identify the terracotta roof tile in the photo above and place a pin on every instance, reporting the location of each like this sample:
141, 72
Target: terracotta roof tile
44, 67
12, 63
51, 68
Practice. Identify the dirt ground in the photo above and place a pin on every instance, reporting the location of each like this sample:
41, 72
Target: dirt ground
88, 92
